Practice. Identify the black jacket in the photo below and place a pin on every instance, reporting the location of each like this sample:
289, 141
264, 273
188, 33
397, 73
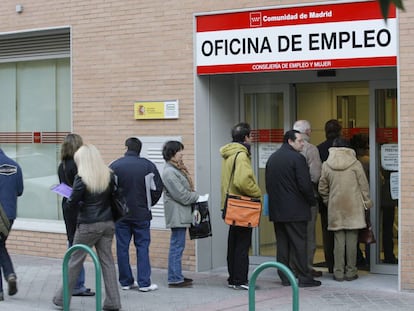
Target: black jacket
67, 171
131, 170
93, 207
324, 149
289, 186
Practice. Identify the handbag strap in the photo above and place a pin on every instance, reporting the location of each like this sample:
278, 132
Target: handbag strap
232, 171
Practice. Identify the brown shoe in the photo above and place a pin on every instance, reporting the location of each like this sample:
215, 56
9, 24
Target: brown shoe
185, 283
316, 274
351, 278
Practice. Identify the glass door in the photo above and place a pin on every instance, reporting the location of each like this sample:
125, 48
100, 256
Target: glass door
384, 142
266, 109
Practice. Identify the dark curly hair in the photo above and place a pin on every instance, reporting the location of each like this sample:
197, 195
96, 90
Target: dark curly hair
240, 131
171, 148
332, 129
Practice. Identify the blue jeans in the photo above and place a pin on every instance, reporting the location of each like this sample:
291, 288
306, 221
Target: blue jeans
141, 231
5, 261
177, 244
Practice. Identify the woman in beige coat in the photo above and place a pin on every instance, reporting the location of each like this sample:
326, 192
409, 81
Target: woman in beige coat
344, 188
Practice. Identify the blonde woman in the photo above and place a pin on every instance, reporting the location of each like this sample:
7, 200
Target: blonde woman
93, 187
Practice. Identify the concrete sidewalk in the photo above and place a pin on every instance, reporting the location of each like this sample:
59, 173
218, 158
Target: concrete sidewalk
38, 278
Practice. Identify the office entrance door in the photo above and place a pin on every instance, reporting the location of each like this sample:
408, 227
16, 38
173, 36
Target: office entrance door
267, 110
384, 146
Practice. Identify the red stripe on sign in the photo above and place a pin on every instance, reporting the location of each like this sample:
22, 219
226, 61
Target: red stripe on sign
292, 16
267, 135
299, 65
32, 137
14, 137
349, 132
53, 137
387, 135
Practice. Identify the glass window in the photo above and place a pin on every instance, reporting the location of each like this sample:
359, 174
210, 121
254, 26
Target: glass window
36, 99
265, 113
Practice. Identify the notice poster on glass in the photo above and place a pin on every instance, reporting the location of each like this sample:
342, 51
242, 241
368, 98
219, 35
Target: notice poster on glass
265, 151
394, 186
389, 157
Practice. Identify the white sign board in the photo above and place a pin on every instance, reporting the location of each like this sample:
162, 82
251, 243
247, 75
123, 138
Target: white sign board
326, 36
265, 151
389, 157
394, 185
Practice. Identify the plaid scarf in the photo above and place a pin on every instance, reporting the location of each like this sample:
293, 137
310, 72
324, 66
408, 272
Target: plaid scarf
180, 165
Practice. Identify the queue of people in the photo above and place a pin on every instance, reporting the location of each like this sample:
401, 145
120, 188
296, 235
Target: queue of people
300, 180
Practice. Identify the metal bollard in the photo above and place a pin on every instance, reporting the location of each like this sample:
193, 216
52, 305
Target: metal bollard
286, 271
97, 275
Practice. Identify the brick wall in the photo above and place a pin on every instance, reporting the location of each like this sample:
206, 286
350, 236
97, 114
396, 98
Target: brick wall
406, 234
53, 245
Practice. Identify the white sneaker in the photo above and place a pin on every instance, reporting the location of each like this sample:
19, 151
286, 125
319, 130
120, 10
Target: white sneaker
242, 286
132, 286
148, 288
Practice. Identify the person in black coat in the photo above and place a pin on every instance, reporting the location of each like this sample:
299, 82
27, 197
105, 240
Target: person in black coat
333, 130
67, 171
290, 191
142, 186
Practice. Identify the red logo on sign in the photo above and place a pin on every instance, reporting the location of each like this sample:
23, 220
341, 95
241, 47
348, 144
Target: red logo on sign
255, 19
37, 138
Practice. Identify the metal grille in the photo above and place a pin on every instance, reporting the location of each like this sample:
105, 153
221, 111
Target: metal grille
35, 45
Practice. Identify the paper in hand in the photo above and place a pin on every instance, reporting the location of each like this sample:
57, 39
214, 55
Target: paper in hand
62, 189
203, 198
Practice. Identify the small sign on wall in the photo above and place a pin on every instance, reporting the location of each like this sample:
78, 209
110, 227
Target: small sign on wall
156, 110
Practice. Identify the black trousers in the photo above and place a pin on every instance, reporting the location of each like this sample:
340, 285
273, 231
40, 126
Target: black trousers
238, 244
388, 215
327, 237
291, 240
71, 219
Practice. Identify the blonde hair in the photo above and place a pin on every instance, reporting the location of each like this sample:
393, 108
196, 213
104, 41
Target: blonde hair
91, 167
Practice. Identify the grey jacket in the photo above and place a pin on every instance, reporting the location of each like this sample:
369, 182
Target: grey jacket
311, 154
177, 198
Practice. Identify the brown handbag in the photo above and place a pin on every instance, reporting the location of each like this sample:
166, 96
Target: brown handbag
366, 235
239, 210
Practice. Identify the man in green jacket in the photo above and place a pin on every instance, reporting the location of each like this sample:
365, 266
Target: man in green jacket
243, 182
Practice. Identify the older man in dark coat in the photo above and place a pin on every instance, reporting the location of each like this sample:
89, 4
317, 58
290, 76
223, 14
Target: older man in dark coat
290, 191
